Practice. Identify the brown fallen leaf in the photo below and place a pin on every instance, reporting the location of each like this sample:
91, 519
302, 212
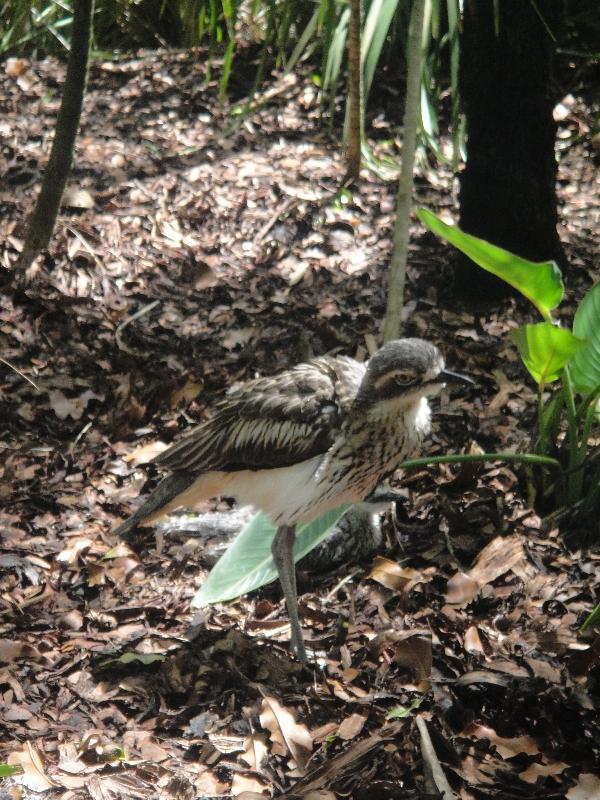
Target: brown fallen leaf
507, 748
188, 392
11, 650
341, 764
410, 649
503, 554
393, 576
74, 197
535, 771
145, 453
351, 726
14, 67
72, 407
286, 734
587, 788
472, 640
255, 751
33, 776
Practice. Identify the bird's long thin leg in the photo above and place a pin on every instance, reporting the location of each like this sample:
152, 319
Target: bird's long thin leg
283, 555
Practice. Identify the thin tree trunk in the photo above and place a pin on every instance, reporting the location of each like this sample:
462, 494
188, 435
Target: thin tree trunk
42, 221
353, 152
395, 300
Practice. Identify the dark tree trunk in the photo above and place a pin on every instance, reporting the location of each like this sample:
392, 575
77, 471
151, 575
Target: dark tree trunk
43, 219
508, 187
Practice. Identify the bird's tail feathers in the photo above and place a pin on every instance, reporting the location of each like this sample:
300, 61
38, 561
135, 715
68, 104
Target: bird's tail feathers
167, 490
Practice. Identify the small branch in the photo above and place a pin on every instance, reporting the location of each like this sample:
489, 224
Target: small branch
284, 208
397, 270
128, 321
354, 118
18, 371
433, 768
41, 224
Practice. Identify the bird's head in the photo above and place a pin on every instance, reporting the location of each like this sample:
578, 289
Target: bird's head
404, 371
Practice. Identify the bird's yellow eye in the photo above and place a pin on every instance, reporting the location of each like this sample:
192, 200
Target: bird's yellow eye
403, 378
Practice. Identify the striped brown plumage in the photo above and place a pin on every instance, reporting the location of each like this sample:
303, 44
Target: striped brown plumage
305, 441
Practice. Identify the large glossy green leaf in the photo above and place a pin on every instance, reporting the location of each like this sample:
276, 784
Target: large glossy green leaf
585, 364
539, 281
248, 564
545, 349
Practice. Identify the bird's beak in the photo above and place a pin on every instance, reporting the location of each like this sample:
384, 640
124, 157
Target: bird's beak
448, 376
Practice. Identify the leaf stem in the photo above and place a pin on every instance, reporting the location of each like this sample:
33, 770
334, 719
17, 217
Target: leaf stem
574, 480
465, 458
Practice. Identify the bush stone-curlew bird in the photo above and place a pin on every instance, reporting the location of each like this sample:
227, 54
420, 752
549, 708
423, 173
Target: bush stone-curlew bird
303, 442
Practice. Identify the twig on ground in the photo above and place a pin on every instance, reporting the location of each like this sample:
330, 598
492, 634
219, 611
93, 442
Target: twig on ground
434, 772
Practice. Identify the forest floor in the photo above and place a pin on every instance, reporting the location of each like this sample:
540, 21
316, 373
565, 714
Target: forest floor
196, 253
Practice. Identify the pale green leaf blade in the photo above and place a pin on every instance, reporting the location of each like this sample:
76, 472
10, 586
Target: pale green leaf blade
375, 31
248, 564
539, 281
545, 349
302, 43
335, 53
585, 364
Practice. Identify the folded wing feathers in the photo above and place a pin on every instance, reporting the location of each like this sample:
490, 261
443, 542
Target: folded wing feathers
271, 422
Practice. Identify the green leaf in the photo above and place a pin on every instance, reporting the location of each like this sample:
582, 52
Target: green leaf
545, 349
248, 564
302, 43
401, 712
592, 619
540, 282
375, 30
7, 770
335, 53
585, 364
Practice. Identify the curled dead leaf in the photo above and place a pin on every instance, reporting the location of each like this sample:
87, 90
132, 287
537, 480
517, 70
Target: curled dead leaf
33, 776
72, 407
587, 788
411, 650
507, 748
287, 735
11, 650
393, 576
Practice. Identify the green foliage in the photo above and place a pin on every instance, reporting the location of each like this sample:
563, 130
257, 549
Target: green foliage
585, 365
401, 712
551, 353
541, 283
278, 33
592, 619
32, 25
545, 350
248, 564
8, 770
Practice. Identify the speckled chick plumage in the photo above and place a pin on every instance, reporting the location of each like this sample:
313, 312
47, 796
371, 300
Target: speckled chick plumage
306, 440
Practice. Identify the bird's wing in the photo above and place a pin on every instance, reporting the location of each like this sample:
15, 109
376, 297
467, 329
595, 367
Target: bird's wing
271, 422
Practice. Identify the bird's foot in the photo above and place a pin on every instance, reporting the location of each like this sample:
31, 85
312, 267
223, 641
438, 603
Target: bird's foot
298, 648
